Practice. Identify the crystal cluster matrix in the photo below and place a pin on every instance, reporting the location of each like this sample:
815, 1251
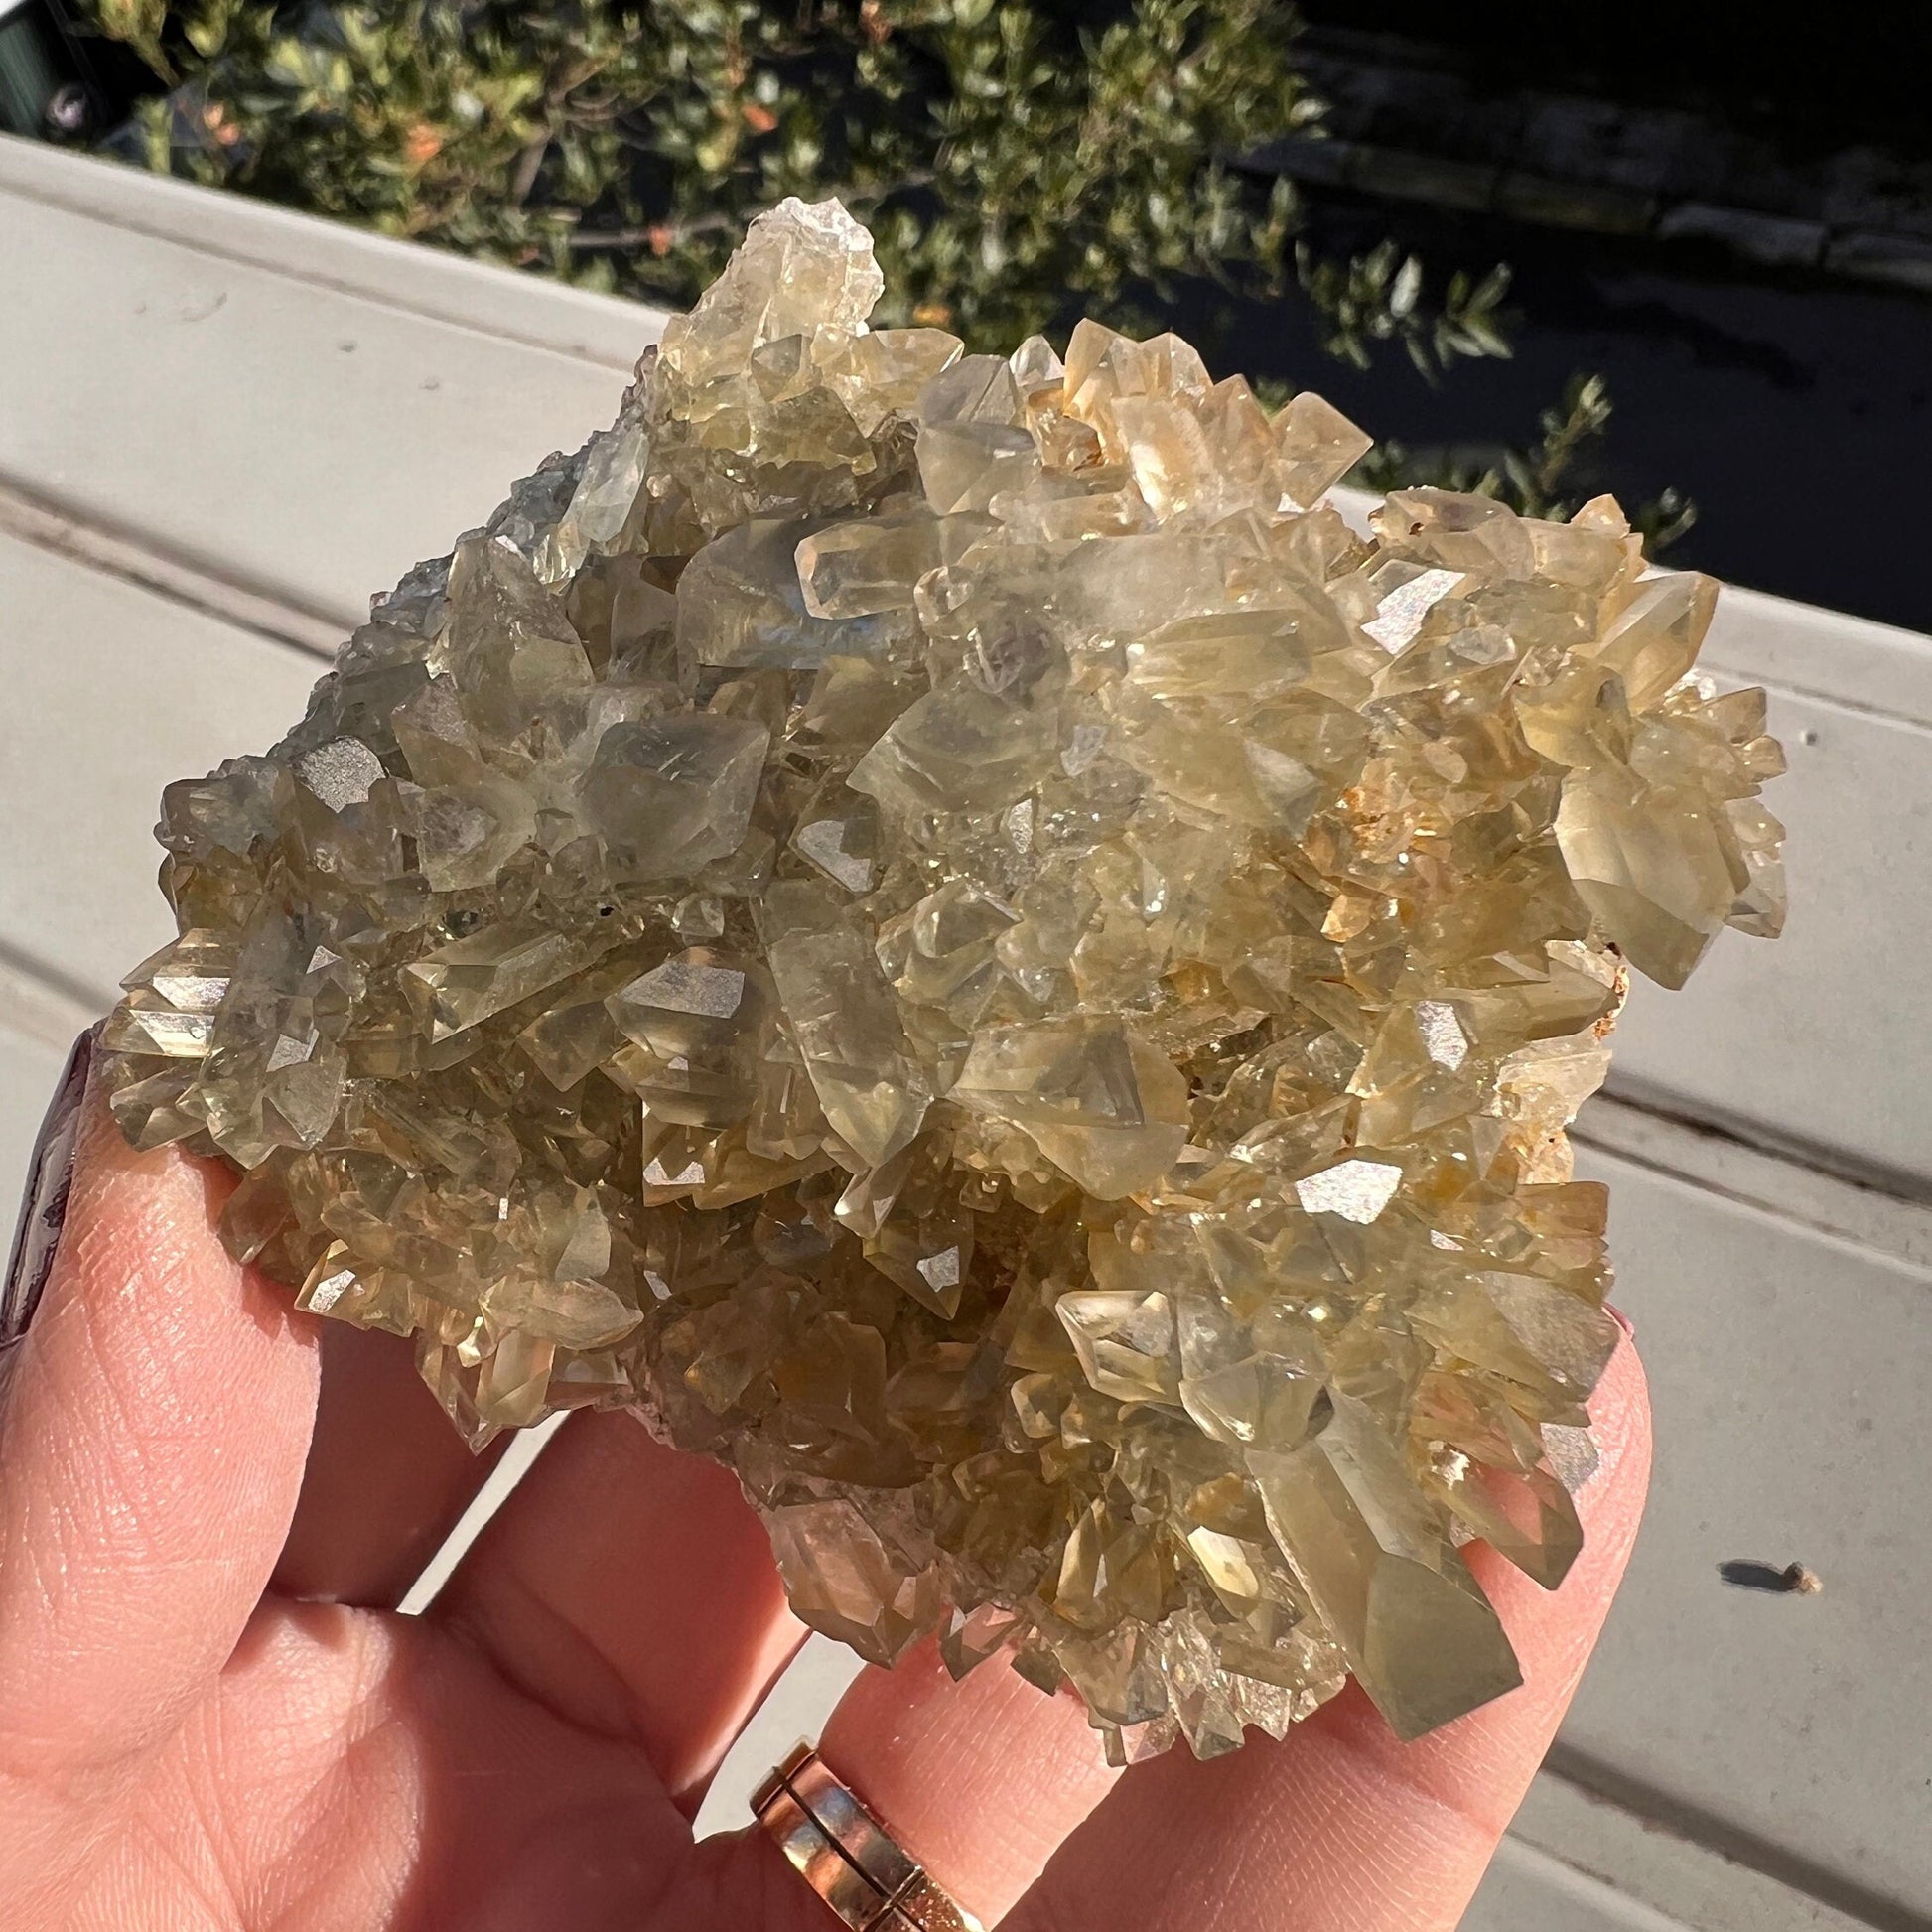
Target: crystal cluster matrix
943, 928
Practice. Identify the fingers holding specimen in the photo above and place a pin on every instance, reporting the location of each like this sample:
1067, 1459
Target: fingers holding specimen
387, 1478
631, 1589
155, 1418
1340, 1827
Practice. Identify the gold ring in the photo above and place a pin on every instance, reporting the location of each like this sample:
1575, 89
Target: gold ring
843, 1854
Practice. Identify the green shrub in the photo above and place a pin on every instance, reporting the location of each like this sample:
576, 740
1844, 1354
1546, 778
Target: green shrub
1018, 164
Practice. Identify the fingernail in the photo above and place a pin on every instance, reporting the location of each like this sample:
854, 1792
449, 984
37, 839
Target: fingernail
1621, 1319
44, 1210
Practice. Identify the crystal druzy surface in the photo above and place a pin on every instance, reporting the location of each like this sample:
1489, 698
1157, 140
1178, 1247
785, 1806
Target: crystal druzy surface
940, 927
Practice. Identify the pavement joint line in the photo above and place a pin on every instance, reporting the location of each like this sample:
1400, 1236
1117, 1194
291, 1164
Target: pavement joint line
40, 520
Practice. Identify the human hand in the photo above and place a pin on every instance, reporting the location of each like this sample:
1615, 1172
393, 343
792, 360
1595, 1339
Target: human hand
211, 1716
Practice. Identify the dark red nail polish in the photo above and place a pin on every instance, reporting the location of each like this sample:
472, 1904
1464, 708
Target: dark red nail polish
44, 1210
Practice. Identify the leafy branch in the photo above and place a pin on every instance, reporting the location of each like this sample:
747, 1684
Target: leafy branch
1537, 481
1015, 165
1379, 297
1017, 168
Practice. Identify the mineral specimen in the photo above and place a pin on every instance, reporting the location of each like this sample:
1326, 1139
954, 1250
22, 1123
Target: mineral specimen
941, 927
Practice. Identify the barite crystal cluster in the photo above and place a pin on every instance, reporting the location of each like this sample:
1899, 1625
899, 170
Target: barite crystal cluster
943, 928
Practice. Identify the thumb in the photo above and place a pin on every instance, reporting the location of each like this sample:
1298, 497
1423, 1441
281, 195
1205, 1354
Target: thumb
153, 1426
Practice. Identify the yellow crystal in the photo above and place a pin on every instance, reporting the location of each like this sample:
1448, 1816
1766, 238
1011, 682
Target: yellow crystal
944, 930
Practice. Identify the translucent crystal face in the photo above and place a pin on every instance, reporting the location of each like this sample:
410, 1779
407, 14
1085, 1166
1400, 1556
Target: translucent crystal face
940, 927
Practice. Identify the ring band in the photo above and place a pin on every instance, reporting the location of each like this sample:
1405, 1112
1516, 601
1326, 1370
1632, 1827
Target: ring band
843, 1854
